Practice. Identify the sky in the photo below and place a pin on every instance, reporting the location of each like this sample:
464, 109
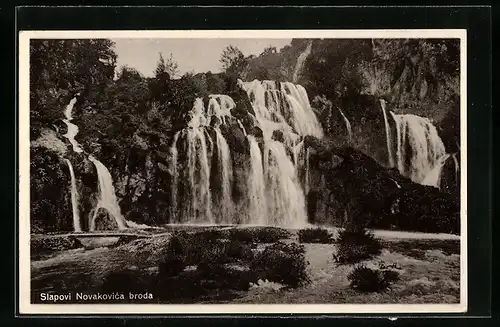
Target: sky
198, 55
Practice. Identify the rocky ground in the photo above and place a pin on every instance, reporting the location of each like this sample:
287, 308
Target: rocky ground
428, 265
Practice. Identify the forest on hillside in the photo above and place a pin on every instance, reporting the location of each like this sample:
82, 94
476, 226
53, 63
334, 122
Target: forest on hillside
128, 120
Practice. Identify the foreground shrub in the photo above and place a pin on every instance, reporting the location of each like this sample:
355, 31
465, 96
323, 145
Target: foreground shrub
282, 263
270, 234
356, 245
204, 265
241, 234
364, 279
315, 235
204, 250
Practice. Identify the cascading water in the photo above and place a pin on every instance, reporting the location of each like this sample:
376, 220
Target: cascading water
107, 199
74, 198
273, 194
282, 107
174, 155
433, 178
301, 61
197, 207
287, 204
256, 185
347, 125
200, 209
72, 128
70, 135
420, 150
387, 133
225, 166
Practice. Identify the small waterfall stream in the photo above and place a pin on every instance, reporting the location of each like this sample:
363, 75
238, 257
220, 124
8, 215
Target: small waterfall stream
347, 125
72, 128
107, 196
74, 199
301, 61
387, 134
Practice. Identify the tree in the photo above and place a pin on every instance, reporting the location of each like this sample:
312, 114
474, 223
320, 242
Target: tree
169, 67
269, 50
128, 73
61, 68
233, 61
160, 67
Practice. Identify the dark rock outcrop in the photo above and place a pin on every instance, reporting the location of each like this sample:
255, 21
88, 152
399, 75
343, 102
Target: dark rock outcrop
375, 197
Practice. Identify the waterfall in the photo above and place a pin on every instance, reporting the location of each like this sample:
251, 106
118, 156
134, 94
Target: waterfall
433, 178
200, 209
282, 107
256, 185
242, 127
457, 167
420, 150
225, 166
307, 178
107, 197
72, 128
301, 61
387, 134
70, 135
173, 171
347, 125
273, 193
74, 199
287, 202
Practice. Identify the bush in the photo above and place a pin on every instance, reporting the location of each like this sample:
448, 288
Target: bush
242, 235
364, 279
315, 235
239, 251
270, 234
356, 245
258, 235
204, 249
212, 254
282, 263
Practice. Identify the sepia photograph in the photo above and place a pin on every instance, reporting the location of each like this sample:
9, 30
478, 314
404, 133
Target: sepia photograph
242, 171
